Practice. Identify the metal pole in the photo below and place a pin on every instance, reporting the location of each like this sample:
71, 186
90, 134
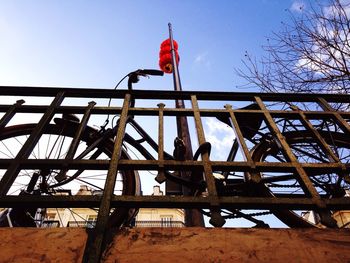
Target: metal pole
176, 75
193, 217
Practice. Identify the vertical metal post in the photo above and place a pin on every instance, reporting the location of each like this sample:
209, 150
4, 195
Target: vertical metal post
192, 217
93, 253
161, 177
176, 75
182, 124
216, 218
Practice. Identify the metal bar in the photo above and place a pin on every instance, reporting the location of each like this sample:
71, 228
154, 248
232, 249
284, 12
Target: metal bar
94, 252
83, 123
161, 177
239, 135
171, 95
298, 203
75, 142
324, 115
252, 176
182, 125
338, 118
10, 113
88, 164
321, 142
12, 171
304, 180
192, 217
176, 75
145, 136
216, 218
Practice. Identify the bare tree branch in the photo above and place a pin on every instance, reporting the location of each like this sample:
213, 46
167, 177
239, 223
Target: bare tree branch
310, 54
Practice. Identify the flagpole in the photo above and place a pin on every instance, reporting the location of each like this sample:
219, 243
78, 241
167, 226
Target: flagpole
193, 217
176, 75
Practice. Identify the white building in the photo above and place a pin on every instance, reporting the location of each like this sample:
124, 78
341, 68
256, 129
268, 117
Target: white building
72, 217
86, 217
160, 217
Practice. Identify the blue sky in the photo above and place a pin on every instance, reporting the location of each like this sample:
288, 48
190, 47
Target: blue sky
95, 43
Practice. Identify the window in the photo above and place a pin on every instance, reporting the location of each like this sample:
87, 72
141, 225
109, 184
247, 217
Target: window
166, 220
50, 216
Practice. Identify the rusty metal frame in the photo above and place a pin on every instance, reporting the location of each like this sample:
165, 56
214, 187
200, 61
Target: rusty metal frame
311, 200
160, 164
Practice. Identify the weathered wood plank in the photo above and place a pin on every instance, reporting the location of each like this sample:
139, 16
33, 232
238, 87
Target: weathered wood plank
229, 245
42, 245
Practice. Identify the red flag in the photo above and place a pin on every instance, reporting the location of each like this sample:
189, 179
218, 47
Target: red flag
165, 56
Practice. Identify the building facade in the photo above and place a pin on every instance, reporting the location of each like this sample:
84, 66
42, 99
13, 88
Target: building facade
160, 217
86, 217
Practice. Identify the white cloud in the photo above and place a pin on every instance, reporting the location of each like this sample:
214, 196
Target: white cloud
297, 6
221, 137
331, 10
202, 60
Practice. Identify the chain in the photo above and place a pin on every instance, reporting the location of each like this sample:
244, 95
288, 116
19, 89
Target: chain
232, 215
260, 213
250, 215
281, 186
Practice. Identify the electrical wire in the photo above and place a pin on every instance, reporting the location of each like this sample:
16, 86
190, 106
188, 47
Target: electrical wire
110, 99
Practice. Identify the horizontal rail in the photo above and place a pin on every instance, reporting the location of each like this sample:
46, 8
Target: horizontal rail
171, 112
168, 94
176, 165
77, 201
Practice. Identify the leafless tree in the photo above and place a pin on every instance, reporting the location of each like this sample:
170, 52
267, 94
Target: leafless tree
309, 54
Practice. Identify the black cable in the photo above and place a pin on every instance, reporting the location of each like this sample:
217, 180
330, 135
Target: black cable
133, 78
110, 99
